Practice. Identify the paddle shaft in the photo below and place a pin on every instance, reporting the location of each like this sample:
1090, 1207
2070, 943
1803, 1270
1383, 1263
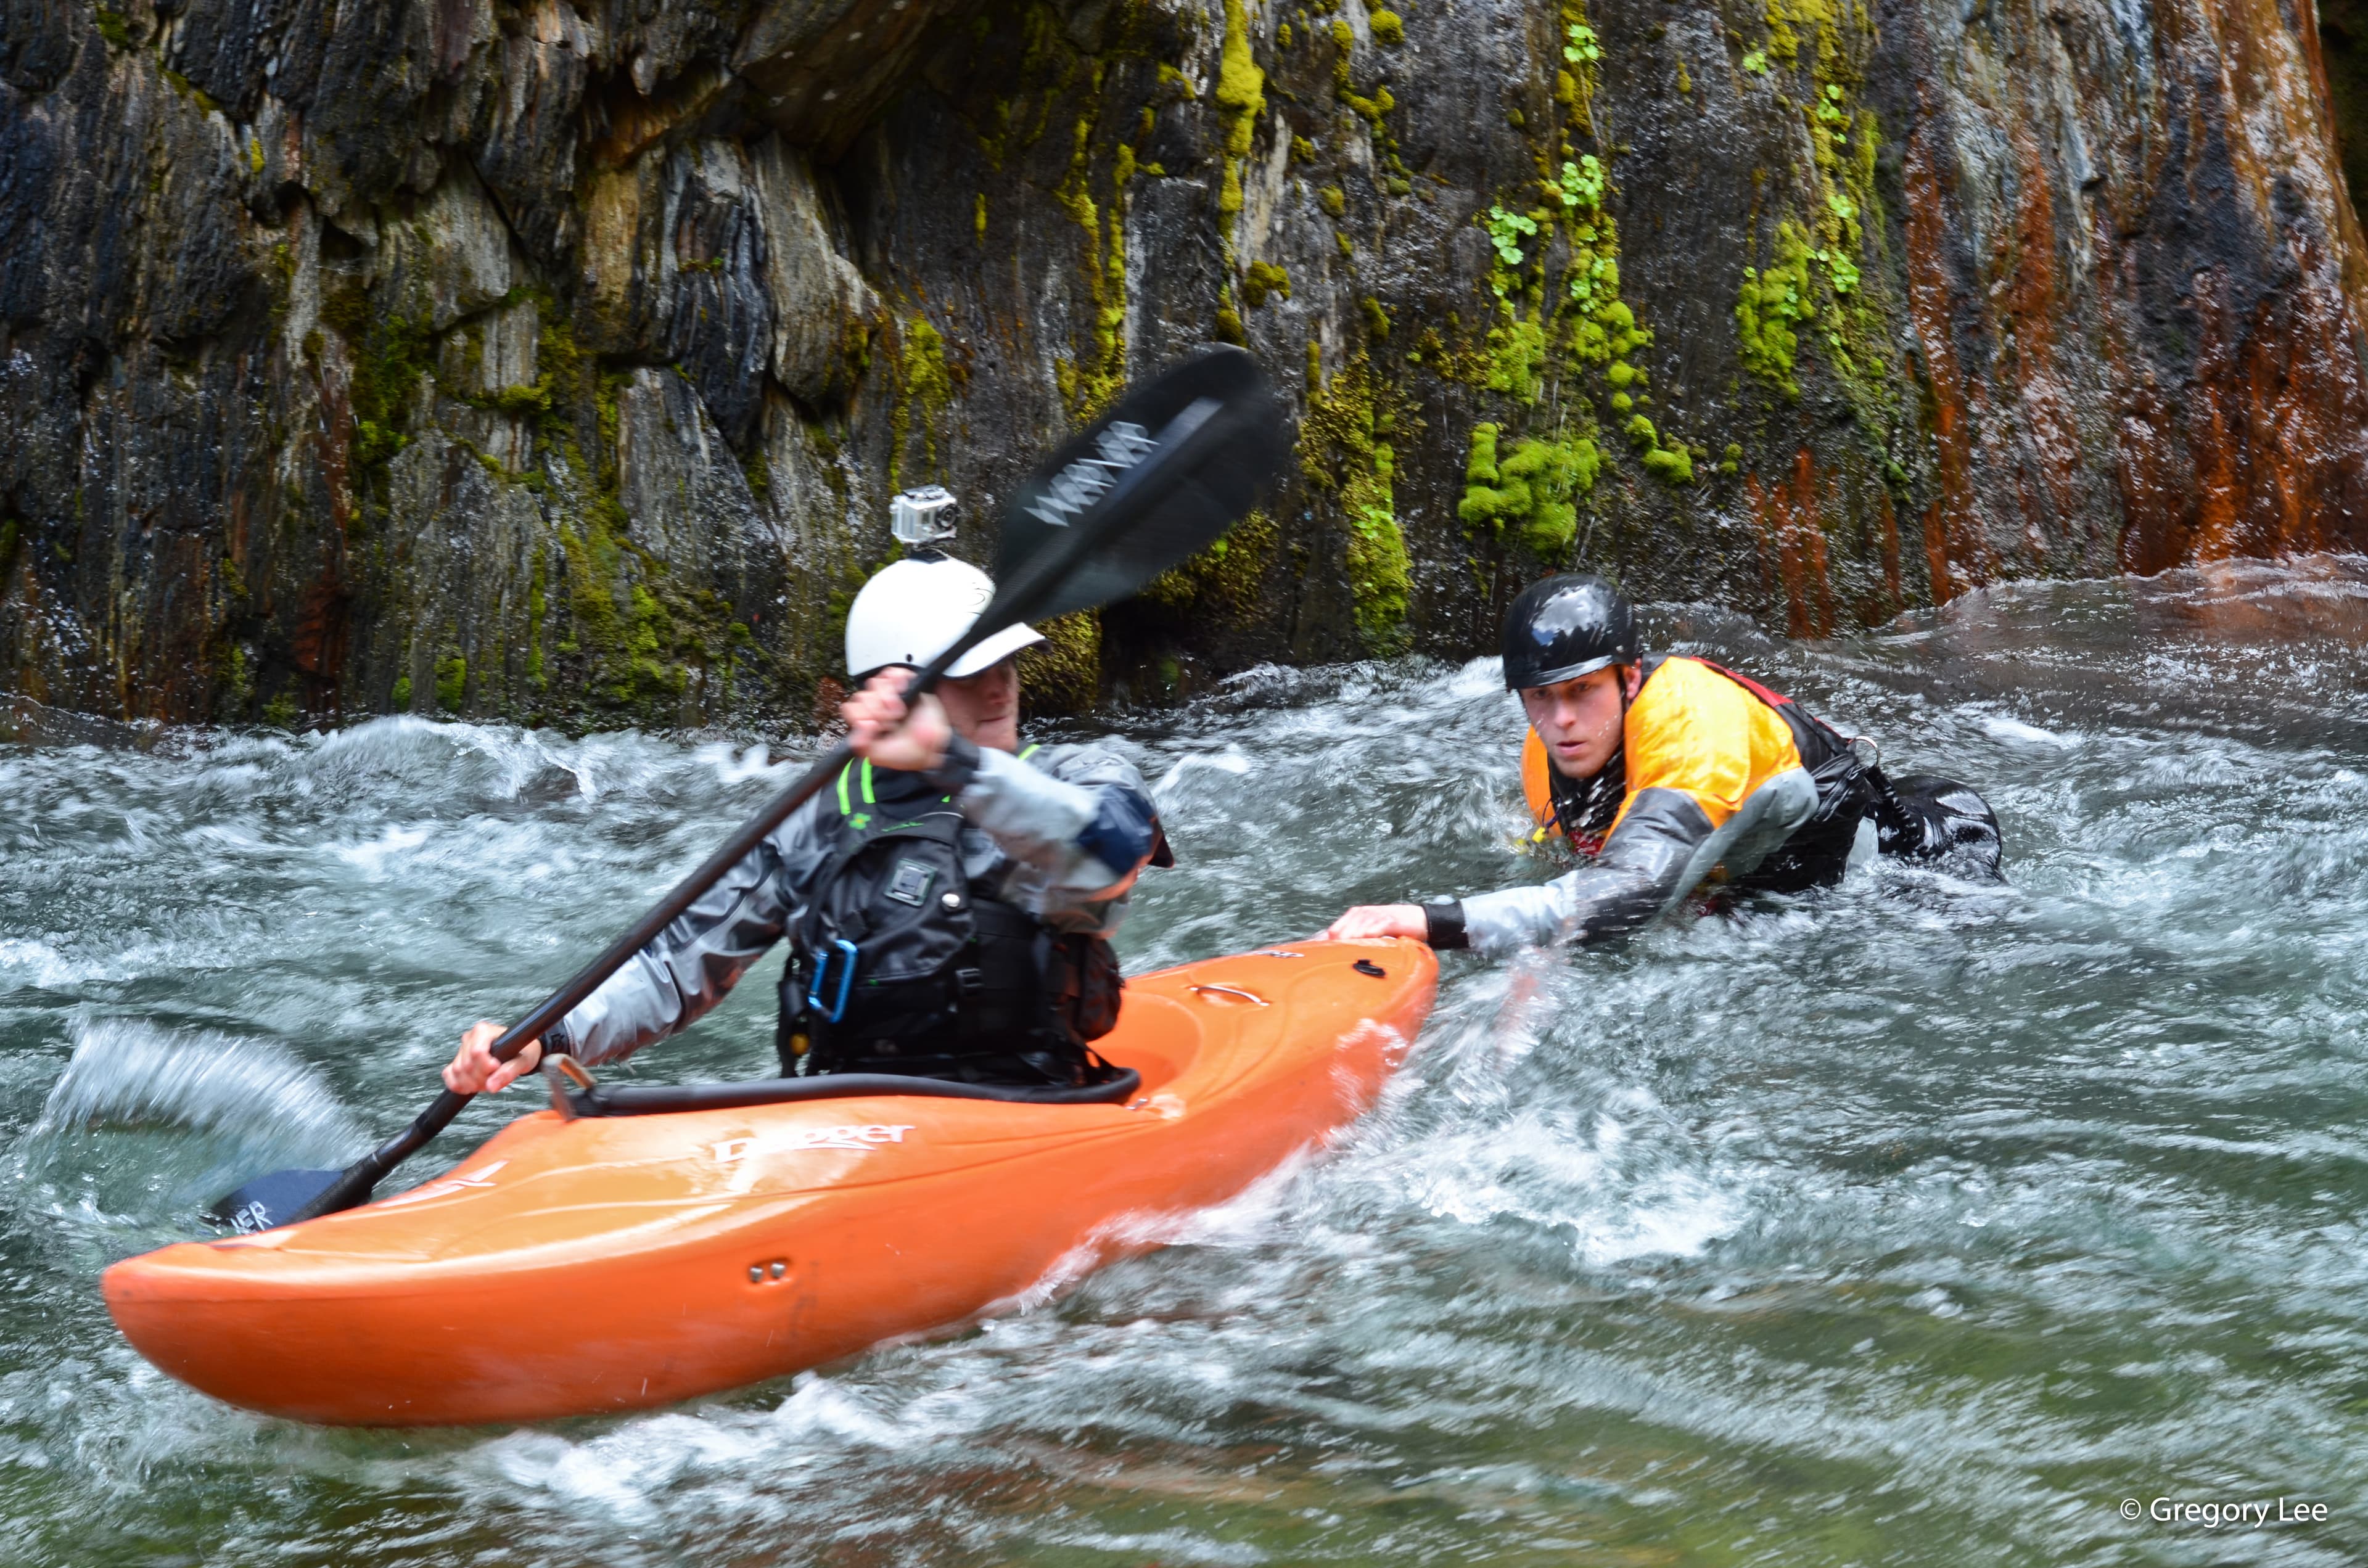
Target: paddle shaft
1016, 601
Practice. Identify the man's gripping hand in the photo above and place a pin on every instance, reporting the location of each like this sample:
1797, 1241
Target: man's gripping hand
1381, 920
882, 729
474, 1071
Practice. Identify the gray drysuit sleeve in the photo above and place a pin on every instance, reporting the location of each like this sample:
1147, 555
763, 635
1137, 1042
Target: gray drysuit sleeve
1077, 824
693, 964
1662, 850
1062, 835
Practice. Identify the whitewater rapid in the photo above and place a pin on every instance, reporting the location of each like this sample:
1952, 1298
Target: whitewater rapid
1913, 1222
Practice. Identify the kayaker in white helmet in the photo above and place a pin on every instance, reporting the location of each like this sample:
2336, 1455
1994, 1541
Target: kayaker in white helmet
949, 903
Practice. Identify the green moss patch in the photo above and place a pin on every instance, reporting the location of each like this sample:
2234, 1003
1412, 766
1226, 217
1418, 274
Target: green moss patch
925, 386
1530, 489
1241, 99
1345, 452
1062, 674
1262, 279
390, 353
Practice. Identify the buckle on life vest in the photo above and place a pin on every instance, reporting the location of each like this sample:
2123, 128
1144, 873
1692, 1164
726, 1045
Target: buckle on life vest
838, 1009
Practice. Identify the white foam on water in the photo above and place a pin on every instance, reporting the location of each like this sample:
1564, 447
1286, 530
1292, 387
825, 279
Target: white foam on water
1231, 761
147, 1123
38, 963
739, 764
2006, 727
372, 858
1793, 1217
1161, 1546
124, 1071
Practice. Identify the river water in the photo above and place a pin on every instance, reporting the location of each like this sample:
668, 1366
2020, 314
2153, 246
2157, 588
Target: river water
1915, 1221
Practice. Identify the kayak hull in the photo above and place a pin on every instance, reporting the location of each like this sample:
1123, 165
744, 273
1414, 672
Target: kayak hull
573, 1267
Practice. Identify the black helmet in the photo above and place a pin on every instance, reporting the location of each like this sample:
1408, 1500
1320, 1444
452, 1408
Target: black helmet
1565, 627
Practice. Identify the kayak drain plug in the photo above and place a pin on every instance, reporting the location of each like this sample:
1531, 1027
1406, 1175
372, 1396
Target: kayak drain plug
1367, 966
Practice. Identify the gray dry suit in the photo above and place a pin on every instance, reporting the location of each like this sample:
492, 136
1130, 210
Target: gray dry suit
1060, 835
1664, 849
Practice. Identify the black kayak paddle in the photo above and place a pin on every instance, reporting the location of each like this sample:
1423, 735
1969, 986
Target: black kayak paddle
1151, 482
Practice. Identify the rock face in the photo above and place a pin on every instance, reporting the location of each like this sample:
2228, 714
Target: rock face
557, 360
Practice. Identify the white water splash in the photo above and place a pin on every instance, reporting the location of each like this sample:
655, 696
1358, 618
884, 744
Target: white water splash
148, 1122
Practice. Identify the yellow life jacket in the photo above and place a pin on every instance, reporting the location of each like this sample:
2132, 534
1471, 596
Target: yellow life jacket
1694, 727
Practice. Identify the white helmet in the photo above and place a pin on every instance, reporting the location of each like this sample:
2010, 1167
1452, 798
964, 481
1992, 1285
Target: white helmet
912, 610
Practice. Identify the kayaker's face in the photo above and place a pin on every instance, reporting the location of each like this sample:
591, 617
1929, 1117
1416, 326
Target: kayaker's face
985, 708
1579, 720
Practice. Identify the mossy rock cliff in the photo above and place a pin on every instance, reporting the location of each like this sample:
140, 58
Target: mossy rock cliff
555, 361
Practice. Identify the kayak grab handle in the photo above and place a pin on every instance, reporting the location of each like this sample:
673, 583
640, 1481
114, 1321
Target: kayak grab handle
838, 1009
1250, 996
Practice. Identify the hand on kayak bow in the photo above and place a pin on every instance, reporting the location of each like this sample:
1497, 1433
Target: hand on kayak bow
877, 727
474, 1071
1381, 920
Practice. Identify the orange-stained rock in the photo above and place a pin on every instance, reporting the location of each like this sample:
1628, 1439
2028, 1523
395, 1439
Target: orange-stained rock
2148, 352
558, 362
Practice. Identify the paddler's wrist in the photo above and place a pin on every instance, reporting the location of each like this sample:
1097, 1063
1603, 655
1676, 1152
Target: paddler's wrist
1443, 925
957, 767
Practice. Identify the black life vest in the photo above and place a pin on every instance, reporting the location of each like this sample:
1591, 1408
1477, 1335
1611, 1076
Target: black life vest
897, 965
1919, 817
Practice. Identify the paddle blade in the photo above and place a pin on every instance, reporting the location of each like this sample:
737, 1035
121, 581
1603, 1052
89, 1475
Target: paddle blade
273, 1200
1203, 487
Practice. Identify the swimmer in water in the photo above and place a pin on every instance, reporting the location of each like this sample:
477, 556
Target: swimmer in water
1664, 771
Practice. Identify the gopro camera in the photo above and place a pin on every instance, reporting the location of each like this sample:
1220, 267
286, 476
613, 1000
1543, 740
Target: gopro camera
922, 518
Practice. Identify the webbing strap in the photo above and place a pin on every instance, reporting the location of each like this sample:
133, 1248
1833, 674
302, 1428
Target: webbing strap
1773, 698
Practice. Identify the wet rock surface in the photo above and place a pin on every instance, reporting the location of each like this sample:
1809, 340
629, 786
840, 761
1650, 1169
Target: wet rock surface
556, 363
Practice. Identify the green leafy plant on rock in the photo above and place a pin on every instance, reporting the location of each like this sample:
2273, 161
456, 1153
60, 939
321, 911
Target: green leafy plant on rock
1549, 336
1810, 293
1509, 231
1773, 302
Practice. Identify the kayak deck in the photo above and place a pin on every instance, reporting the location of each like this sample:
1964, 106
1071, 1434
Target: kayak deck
606, 1263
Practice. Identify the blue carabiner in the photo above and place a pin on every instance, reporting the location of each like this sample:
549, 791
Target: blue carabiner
838, 1009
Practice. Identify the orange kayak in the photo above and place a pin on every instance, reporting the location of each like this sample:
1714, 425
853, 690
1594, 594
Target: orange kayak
571, 1267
